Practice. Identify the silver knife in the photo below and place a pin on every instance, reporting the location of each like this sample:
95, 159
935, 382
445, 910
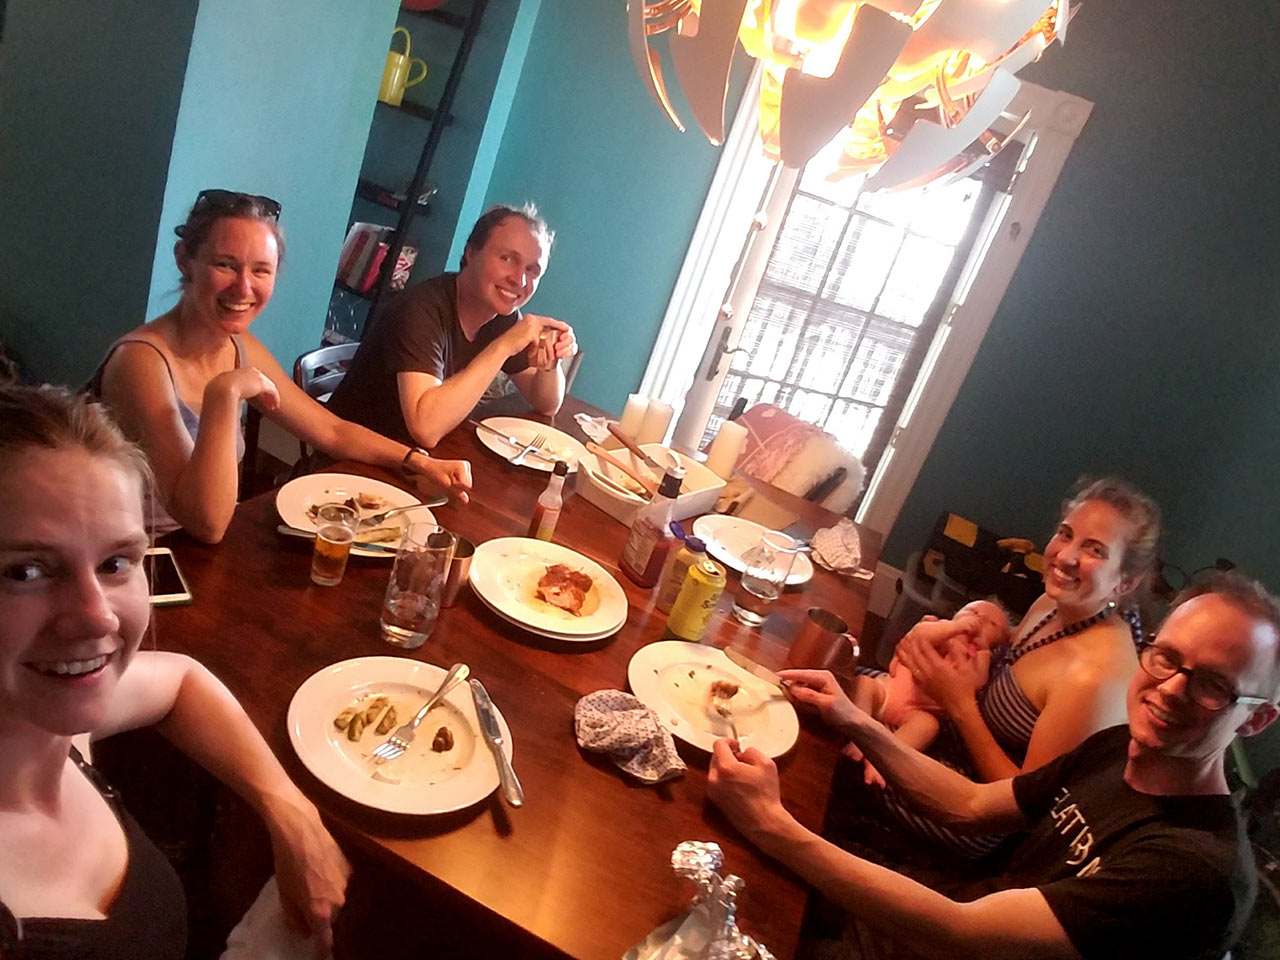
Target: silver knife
489, 726
289, 531
507, 438
755, 669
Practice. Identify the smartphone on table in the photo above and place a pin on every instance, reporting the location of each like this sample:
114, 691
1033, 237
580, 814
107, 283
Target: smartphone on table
168, 586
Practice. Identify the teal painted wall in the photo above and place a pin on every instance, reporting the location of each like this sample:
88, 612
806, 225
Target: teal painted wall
88, 104
620, 186
1141, 333
278, 100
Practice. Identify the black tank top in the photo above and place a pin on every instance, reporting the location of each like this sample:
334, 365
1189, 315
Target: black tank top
146, 921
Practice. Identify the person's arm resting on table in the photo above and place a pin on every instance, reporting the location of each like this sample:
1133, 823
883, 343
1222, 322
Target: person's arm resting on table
193, 709
1012, 923
432, 407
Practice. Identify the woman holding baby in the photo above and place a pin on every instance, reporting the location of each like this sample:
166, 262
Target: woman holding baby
1061, 678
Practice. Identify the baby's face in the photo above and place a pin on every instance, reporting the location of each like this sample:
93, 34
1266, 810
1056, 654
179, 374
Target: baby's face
989, 624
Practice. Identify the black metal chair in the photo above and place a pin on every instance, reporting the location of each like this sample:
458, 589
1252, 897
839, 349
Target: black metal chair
318, 372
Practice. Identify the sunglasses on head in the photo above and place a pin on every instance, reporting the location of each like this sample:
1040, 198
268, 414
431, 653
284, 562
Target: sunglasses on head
233, 201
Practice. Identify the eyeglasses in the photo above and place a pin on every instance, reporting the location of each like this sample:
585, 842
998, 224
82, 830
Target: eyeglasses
1207, 689
231, 201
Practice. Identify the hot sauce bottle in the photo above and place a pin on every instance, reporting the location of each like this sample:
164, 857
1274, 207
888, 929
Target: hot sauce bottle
546, 513
645, 552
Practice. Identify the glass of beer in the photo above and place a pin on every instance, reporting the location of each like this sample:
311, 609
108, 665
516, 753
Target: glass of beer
766, 567
336, 526
412, 602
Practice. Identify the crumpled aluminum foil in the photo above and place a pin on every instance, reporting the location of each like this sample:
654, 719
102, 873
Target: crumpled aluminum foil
709, 929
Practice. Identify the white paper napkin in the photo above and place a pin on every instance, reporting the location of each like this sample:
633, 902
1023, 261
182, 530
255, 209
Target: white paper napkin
263, 933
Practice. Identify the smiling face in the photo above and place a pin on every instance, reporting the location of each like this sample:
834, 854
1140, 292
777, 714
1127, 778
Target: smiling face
1083, 560
73, 592
232, 274
502, 275
1209, 634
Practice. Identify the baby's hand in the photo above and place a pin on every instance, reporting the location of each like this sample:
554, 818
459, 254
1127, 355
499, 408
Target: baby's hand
871, 776
852, 752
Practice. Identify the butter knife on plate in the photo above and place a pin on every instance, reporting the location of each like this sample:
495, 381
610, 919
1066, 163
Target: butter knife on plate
755, 669
492, 731
510, 440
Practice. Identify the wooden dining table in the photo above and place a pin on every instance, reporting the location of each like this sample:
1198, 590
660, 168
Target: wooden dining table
583, 868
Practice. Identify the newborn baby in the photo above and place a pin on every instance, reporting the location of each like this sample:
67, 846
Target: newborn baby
965, 641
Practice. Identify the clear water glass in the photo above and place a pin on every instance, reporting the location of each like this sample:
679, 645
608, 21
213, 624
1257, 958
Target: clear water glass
412, 602
766, 567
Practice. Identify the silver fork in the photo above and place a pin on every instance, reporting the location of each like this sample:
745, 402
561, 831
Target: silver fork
400, 741
533, 446
378, 518
721, 705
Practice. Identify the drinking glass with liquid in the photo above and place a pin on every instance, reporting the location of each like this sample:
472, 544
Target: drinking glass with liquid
412, 602
336, 526
766, 567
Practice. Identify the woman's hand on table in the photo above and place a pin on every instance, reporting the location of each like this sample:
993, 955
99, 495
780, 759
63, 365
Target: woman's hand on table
451, 476
311, 870
820, 690
951, 685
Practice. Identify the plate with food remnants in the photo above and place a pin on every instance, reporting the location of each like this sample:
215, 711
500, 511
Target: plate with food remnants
341, 713
548, 589
298, 500
557, 445
688, 684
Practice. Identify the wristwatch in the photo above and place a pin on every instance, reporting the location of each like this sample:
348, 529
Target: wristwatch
405, 465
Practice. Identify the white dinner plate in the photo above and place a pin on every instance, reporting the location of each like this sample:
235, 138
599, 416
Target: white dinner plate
422, 780
728, 538
558, 445
673, 678
505, 574
293, 499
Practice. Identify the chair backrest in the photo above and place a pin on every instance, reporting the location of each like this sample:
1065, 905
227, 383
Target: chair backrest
319, 371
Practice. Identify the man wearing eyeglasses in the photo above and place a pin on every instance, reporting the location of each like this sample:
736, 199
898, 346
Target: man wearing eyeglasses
1133, 846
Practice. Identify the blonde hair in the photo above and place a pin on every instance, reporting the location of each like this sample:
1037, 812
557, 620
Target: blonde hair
54, 418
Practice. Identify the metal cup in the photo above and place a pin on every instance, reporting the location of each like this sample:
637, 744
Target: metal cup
822, 641
412, 602
459, 570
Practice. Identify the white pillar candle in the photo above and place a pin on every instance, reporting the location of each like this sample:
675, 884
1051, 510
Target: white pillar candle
653, 428
726, 448
633, 414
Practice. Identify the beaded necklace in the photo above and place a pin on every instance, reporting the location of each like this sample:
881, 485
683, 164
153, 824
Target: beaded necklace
1069, 630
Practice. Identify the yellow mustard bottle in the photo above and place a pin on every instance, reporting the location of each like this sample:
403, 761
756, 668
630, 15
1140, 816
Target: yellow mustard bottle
690, 553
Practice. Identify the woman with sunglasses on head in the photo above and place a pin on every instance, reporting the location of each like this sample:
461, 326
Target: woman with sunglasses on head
78, 877
177, 384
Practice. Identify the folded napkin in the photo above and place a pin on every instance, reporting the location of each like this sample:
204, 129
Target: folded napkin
616, 723
263, 933
838, 548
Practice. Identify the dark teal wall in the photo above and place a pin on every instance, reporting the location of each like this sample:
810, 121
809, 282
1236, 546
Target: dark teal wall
278, 100
620, 186
1140, 333
88, 103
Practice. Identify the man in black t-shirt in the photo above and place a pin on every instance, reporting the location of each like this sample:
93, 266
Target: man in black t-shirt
427, 361
1133, 848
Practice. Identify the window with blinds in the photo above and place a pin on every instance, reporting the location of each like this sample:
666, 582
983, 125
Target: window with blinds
838, 327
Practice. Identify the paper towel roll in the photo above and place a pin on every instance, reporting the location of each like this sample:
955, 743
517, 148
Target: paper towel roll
633, 413
726, 448
653, 428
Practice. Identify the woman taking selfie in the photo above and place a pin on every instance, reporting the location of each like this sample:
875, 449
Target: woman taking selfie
78, 878
177, 384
